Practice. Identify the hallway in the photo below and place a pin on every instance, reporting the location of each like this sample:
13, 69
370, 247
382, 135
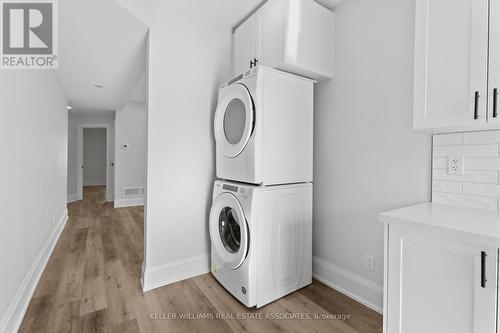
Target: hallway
93, 275
92, 284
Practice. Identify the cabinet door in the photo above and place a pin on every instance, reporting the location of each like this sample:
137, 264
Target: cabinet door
246, 44
435, 284
272, 37
494, 63
451, 60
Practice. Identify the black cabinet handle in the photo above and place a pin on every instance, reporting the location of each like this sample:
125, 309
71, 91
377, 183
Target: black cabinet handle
476, 102
495, 102
483, 269
253, 63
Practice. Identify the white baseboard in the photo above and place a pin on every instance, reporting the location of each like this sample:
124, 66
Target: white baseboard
350, 284
160, 276
130, 202
142, 275
72, 198
14, 315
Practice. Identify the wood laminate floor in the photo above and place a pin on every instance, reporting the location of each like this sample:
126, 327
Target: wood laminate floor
91, 284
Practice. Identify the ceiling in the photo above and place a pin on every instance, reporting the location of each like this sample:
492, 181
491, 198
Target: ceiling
100, 43
223, 13
330, 4
256, 4
94, 113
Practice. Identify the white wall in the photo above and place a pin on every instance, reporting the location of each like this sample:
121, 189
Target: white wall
88, 117
189, 56
94, 156
33, 132
367, 157
181, 144
130, 162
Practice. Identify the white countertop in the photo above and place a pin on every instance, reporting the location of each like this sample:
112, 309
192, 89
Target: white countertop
476, 222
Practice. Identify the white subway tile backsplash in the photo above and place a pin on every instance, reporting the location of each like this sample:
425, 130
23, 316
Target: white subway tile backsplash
479, 163
470, 176
467, 150
479, 186
440, 162
445, 186
448, 139
481, 137
470, 201
488, 190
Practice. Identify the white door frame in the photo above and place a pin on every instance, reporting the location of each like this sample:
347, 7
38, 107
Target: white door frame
80, 157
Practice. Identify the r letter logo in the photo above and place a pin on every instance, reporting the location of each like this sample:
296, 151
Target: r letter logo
29, 34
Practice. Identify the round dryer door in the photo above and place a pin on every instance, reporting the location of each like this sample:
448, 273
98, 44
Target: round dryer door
229, 230
234, 120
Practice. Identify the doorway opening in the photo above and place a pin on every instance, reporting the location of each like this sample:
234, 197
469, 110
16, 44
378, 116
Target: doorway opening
94, 159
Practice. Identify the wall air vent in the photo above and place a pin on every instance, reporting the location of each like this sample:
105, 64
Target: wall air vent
133, 192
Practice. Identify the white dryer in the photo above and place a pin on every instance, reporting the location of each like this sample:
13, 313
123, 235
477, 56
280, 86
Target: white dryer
264, 128
261, 240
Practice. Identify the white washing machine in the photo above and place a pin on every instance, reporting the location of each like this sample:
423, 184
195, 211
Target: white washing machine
261, 240
264, 128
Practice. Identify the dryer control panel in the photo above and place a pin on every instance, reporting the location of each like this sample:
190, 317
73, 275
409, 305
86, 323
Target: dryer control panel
231, 188
238, 78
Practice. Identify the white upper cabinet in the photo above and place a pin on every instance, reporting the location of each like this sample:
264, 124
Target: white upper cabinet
293, 36
451, 63
246, 44
494, 64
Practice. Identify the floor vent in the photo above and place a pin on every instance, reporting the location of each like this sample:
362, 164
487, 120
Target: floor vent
133, 192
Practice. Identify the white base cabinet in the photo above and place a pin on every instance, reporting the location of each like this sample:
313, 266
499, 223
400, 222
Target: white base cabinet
437, 283
293, 36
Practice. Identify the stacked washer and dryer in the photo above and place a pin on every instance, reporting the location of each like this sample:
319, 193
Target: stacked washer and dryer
261, 218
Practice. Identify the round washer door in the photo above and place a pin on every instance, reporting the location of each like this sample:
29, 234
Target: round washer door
234, 120
229, 230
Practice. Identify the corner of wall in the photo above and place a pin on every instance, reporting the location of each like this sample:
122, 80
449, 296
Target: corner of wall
155, 277
348, 283
72, 197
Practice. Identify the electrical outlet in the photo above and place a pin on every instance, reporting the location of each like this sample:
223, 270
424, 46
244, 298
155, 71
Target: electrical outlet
370, 262
456, 165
